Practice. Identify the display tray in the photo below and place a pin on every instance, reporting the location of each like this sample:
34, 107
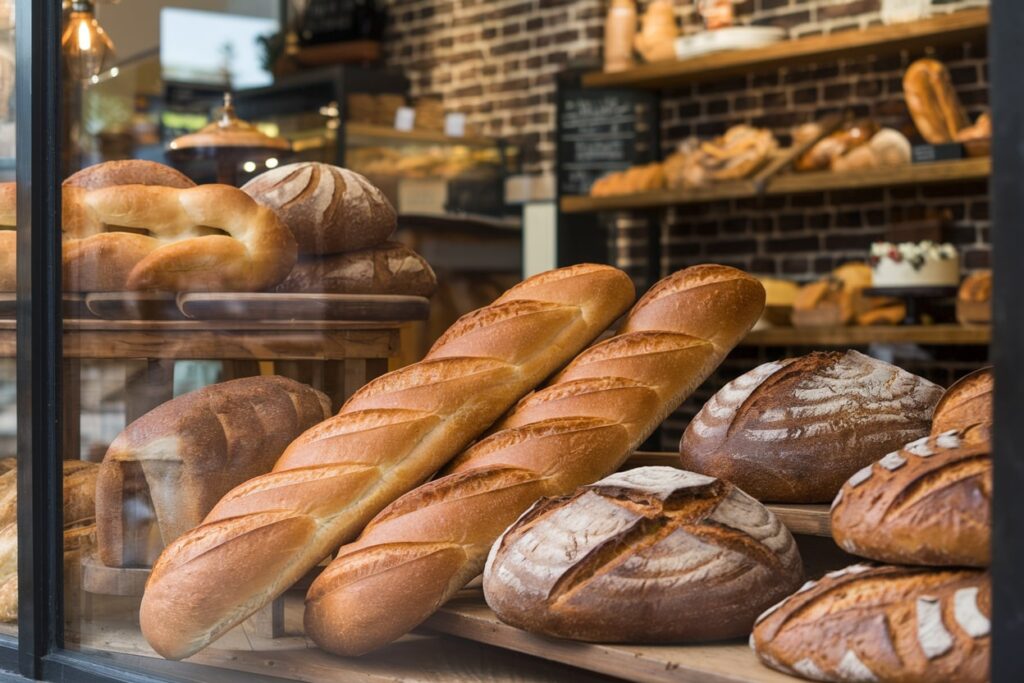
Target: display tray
256, 306
467, 616
73, 305
862, 335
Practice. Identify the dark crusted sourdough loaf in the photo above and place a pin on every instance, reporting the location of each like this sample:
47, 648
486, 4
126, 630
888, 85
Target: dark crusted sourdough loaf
794, 430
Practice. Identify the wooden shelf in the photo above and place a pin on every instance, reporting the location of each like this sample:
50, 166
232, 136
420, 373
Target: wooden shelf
790, 183
942, 29
808, 520
416, 135
467, 616
939, 335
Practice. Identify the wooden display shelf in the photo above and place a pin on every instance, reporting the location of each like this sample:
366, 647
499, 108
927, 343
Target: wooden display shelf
856, 335
875, 40
416, 135
790, 183
808, 520
467, 616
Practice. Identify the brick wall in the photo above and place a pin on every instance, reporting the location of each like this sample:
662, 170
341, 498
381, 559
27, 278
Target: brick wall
496, 60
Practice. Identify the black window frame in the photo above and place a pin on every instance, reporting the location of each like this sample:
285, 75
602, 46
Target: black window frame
39, 652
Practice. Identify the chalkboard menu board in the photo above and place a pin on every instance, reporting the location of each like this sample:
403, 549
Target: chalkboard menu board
600, 131
332, 21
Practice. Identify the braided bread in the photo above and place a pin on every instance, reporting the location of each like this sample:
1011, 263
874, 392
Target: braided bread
388, 437
424, 547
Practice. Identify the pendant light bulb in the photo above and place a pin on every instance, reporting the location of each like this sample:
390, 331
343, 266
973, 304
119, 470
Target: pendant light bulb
87, 48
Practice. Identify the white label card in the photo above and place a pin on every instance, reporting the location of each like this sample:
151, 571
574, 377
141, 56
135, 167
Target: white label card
455, 125
405, 118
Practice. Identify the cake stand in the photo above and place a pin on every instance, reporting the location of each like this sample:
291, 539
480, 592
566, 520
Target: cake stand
925, 305
227, 142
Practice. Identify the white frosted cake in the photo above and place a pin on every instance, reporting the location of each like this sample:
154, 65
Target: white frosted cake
914, 264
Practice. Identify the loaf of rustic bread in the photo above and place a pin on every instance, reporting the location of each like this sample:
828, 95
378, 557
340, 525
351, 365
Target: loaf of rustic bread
389, 268
928, 503
967, 402
882, 625
168, 469
390, 436
794, 430
650, 555
328, 209
428, 544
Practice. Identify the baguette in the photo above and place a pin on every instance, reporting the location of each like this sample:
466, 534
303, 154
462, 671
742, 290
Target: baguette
389, 437
932, 101
431, 542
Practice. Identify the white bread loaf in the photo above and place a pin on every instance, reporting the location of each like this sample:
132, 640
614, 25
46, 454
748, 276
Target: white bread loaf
167, 469
328, 209
428, 544
389, 437
650, 555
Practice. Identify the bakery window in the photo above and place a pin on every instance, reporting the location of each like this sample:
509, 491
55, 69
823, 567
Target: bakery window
293, 391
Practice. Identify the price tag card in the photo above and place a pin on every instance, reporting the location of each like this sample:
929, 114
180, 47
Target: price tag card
405, 118
455, 125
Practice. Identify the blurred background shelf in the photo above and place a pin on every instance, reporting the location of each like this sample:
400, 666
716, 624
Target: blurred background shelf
874, 41
945, 335
790, 183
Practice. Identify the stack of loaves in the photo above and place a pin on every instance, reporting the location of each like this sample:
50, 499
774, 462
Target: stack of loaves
924, 510
341, 223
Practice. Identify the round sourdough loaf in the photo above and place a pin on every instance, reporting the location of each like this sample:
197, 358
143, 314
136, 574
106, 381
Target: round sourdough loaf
794, 430
967, 402
928, 503
389, 268
651, 555
882, 625
328, 209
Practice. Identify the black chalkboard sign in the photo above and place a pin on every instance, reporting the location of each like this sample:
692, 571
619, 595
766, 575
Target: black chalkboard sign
600, 131
332, 21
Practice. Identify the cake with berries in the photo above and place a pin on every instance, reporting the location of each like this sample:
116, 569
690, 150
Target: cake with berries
914, 264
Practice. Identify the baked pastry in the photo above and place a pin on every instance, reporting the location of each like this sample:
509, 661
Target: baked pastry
884, 625
389, 437
980, 130
927, 503
973, 300
966, 403
79, 532
794, 430
833, 146
428, 544
167, 469
128, 172
656, 40
390, 268
933, 103
888, 147
328, 209
633, 180
835, 299
915, 264
651, 555
205, 238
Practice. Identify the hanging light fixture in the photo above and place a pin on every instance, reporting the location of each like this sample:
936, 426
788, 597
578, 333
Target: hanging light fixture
87, 48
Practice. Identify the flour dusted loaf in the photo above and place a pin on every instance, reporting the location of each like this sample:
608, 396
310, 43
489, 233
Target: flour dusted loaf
167, 469
328, 209
429, 543
650, 555
882, 625
389, 437
389, 268
794, 430
928, 503
967, 402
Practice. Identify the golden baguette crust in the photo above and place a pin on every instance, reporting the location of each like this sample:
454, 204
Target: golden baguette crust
882, 625
967, 402
933, 102
928, 503
390, 436
794, 430
185, 454
651, 555
328, 209
428, 544
128, 172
